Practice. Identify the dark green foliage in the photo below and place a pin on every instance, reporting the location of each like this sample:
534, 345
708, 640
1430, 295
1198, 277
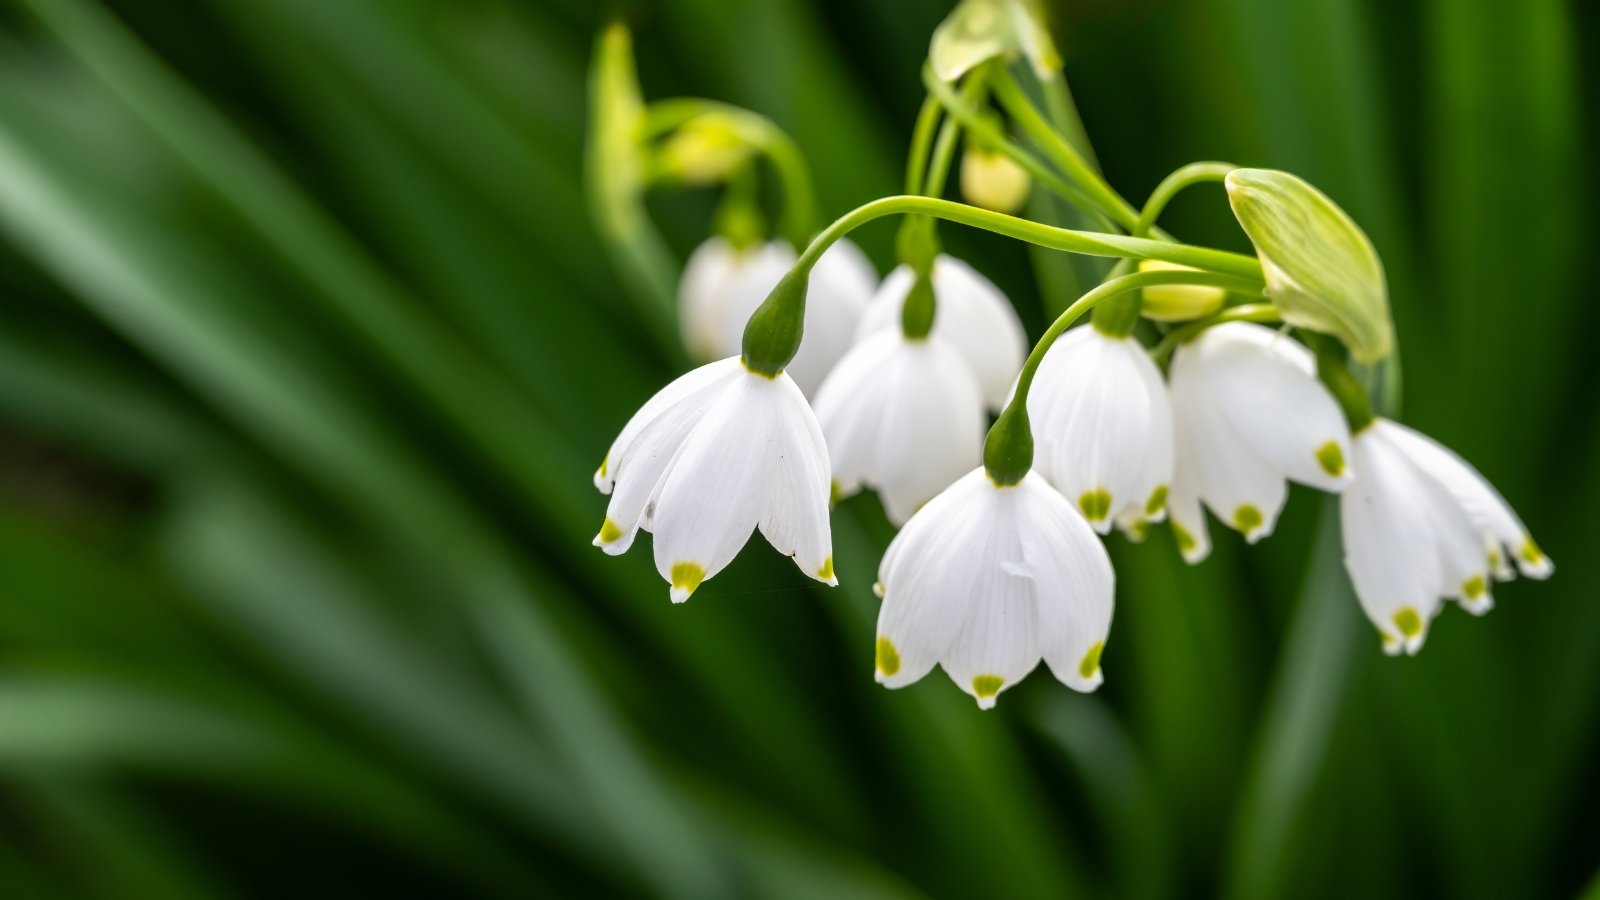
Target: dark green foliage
308, 346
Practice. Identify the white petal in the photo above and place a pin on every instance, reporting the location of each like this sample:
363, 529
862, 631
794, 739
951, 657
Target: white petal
648, 443
713, 491
998, 642
1102, 424
1189, 527
759, 271
1073, 585
795, 515
927, 575
702, 295
971, 313
903, 417
1265, 384
1503, 532
842, 283
1241, 487
1389, 545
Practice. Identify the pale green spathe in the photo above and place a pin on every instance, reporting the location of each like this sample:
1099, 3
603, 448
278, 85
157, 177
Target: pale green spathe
979, 30
1321, 270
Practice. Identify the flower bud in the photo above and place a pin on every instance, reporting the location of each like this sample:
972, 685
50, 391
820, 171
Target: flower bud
1321, 271
705, 150
1178, 302
993, 181
979, 30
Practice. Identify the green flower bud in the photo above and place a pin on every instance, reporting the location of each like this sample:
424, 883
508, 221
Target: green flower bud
979, 30
705, 150
1321, 271
993, 181
1178, 302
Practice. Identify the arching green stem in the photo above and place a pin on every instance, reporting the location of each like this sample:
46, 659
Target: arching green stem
1334, 371
921, 141
991, 137
1191, 174
799, 196
1089, 243
772, 336
1060, 151
1008, 450
1246, 312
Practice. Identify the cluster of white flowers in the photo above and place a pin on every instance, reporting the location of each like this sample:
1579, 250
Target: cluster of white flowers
999, 561
987, 579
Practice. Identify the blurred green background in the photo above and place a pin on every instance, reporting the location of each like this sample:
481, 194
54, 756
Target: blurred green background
308, 348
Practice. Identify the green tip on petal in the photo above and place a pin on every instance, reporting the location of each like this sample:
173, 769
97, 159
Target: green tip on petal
1096, 504
1331, 458
887, 658
1247, 519
1091, 661
1474, 587
604, 463
1157, 501
835, 493
877, 588
1408, 621
609, 531
1530, 552
686, 576
1182, 536
826, 572
986, 686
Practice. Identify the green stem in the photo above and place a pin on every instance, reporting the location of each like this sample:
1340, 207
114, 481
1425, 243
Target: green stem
1247, 312
760, 132
1089, 243
1192, 174
1008, 449
1334, 372
921, 140
990, 136
1063, 154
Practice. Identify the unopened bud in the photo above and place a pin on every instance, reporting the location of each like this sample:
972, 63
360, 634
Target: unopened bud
705, 150
1321, 271
993, 181
1178, 302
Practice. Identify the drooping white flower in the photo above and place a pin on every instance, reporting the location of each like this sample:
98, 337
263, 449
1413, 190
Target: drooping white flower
971, 313
987, 580
714, 455
722, 286
1102, 426
1421, 525
903, 417
1249, 414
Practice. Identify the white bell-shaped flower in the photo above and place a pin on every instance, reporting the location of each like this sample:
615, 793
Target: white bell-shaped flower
1420, 526
1249, 414
987, 580
722, 286
1102, 427
903, 417
972, 315
714, 455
